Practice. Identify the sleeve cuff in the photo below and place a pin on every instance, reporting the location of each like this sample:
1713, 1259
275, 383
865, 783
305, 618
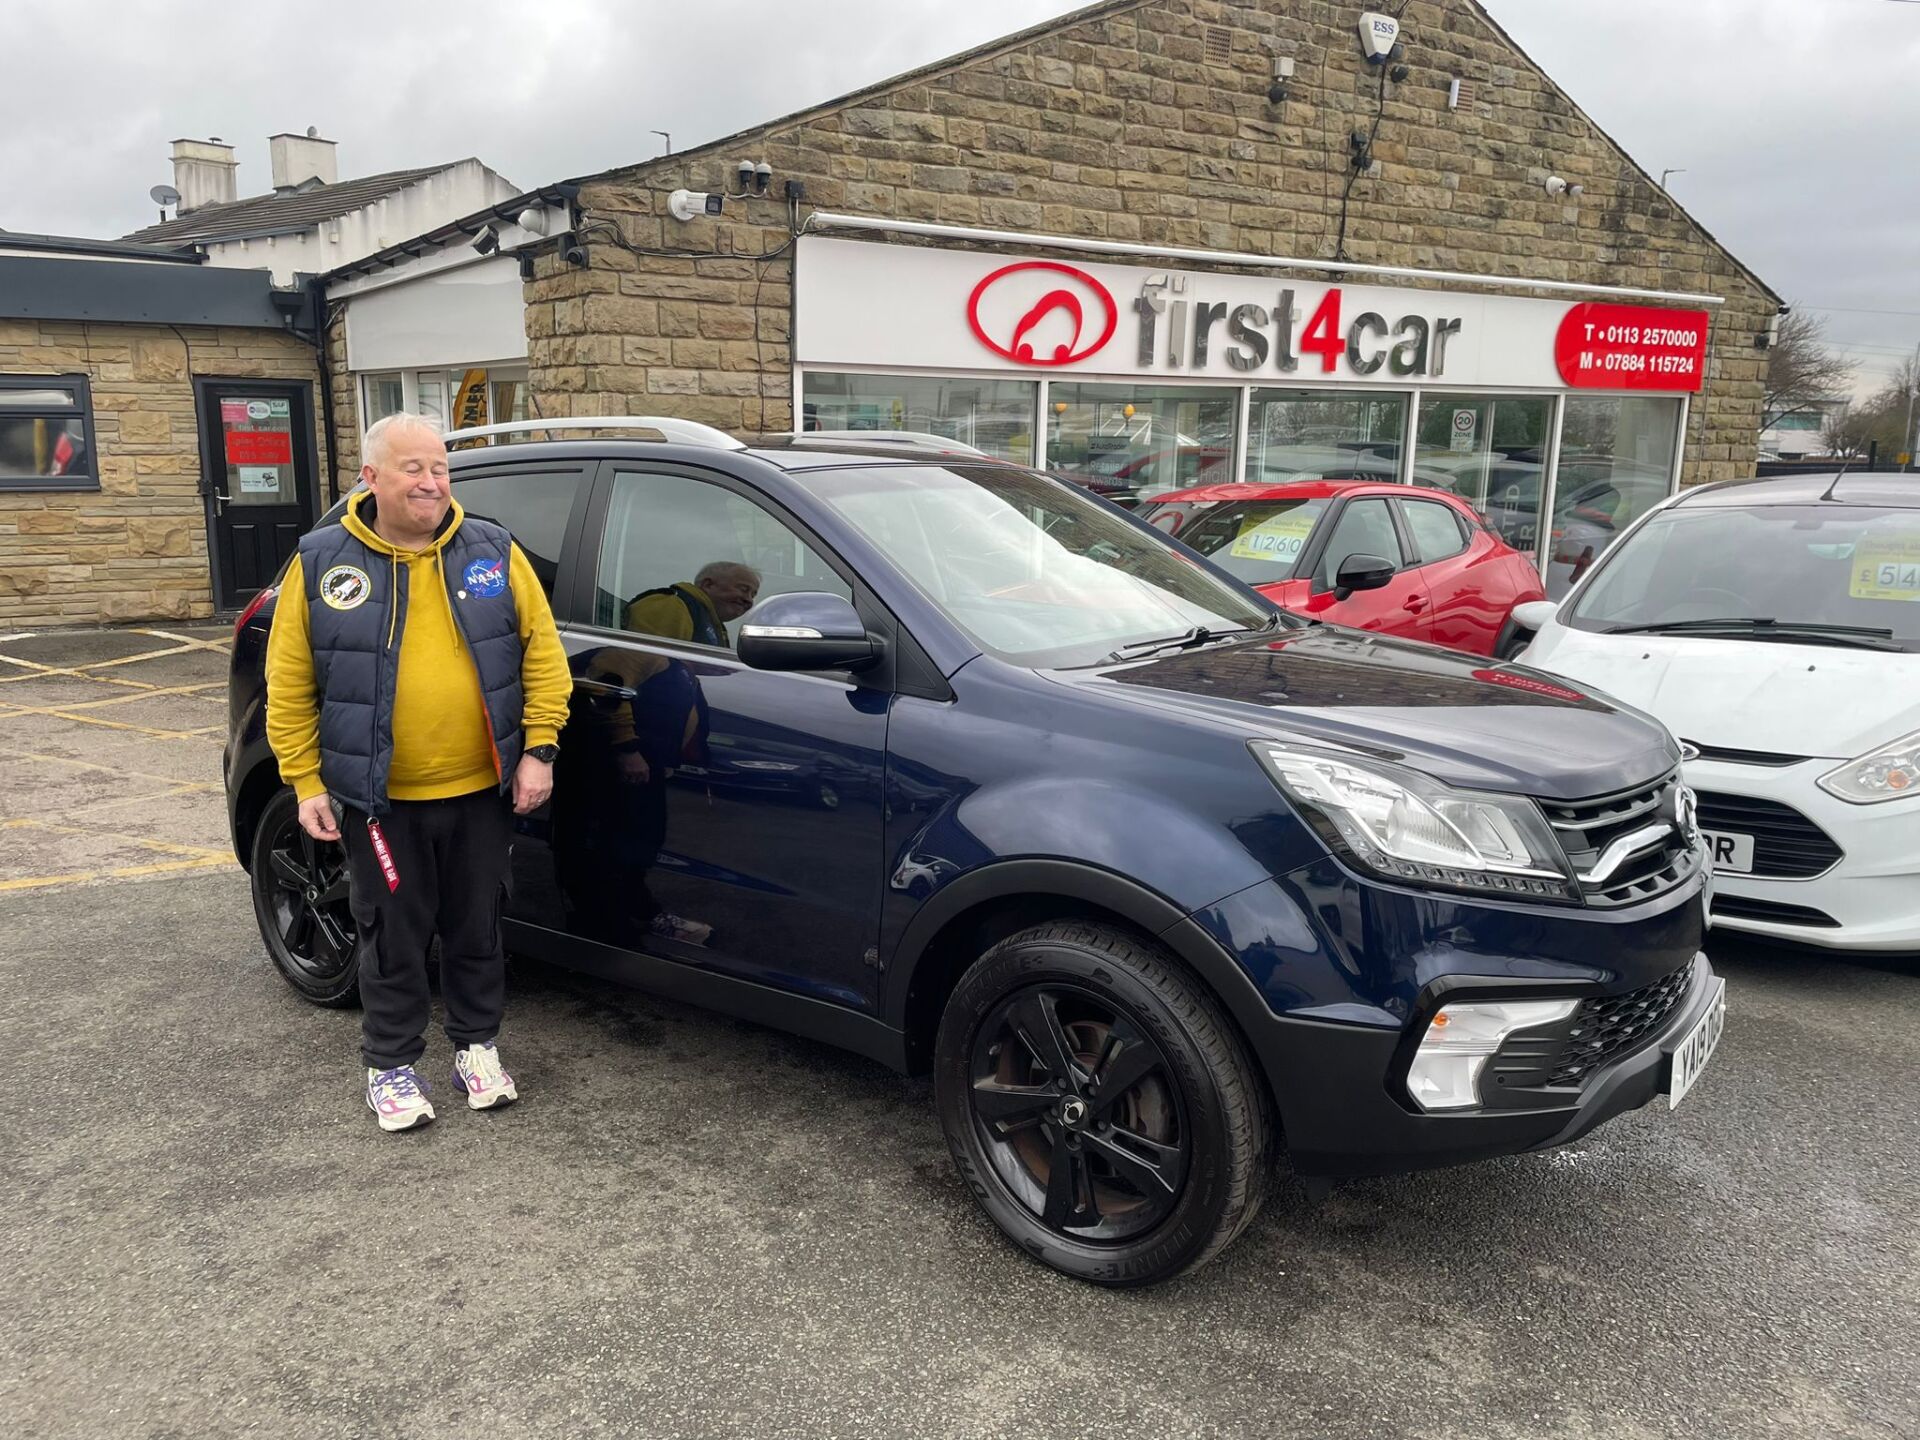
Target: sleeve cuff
541, 735
308, 787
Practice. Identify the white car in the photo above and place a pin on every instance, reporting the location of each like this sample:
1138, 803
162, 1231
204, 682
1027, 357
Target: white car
1774, 625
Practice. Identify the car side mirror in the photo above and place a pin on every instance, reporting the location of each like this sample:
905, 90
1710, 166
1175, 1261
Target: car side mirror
1361, 572
806, 630
1534, 614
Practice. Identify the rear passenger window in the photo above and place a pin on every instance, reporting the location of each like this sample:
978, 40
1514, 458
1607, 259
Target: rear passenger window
1437, 531
533, 504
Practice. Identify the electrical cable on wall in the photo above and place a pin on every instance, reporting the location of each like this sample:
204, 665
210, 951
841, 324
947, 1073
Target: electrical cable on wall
1365, 152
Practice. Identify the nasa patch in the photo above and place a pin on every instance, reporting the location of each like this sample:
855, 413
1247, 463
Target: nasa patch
485, 577
345, 587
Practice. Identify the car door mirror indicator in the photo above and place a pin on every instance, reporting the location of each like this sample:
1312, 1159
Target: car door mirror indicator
806, 630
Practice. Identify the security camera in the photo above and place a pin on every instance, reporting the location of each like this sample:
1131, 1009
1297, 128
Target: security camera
745, 171
691, 204
1377, 36
762, 177
533, 219
1556, 186
487, 241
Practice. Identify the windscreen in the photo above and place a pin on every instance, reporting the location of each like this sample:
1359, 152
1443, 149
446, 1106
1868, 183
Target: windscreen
1823, 565
1032, 569
1258, 541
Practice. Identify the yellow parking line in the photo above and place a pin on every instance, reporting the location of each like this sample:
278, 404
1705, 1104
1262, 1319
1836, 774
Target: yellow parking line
118, 770
173, 793
48, 672
14, 712
165, 847
125, 872
113, 699
223, 646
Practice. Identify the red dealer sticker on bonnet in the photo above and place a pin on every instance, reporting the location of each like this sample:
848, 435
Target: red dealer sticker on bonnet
1631, 347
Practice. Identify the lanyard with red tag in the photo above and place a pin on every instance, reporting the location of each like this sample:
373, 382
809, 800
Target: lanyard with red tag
377, 838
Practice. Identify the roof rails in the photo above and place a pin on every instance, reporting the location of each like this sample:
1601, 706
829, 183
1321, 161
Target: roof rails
922, 439
683, 432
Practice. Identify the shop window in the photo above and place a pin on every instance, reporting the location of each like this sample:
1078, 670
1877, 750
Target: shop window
381, 396
46, 434
1141, 441
1324, 435
1490, 450
1616, 463
993, 415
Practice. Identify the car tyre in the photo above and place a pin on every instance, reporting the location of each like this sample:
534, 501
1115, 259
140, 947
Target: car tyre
301, 901
1100, 1105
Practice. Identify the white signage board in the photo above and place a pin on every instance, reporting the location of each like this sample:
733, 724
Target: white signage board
863, 304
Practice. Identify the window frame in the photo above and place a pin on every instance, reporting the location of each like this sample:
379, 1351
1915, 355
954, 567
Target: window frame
82, 409
1331, 524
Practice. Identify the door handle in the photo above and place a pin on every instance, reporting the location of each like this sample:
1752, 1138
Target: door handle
1415, 604
604, 687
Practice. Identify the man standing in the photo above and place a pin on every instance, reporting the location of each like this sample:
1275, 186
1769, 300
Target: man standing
699, 610
416, 687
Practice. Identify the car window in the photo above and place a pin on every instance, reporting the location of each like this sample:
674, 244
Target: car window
1437, 531
1258, 541
1365, 527
534, 505
687, 558
1030, 568
1833, 565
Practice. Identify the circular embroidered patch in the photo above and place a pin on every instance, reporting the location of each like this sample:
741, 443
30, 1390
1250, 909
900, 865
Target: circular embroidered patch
486, 577
345, 587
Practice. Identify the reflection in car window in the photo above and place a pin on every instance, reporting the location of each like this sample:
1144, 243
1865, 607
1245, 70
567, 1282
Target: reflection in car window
1258, 541
1030, 568
685, 559
534, 506
1437, 533
1364, 528
1821, 565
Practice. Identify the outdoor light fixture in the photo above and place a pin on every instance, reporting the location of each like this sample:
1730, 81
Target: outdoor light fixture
487, 241
1282, 72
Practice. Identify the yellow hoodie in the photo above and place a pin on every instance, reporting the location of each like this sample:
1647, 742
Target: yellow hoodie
440, 743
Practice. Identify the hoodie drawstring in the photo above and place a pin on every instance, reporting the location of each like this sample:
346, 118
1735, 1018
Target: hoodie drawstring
393, 598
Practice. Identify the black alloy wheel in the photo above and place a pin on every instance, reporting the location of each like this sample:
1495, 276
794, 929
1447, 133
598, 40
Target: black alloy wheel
301, 901
1075, 1107
1100, 1105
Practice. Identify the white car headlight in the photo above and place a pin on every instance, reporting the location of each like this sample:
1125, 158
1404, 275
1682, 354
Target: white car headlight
1460, 1039
1886, 774
1410, 827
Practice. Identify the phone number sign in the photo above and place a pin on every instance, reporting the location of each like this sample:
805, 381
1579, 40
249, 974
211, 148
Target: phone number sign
1631, 347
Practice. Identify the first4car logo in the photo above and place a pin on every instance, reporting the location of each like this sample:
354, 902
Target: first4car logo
1040, 312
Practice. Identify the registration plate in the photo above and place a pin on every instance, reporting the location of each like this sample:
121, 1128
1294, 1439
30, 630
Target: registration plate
1732, 854
1696, 1047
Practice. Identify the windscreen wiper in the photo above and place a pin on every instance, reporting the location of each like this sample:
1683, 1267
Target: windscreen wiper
1189, 638
1757, 627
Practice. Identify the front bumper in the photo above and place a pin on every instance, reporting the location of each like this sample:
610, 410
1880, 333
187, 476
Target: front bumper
1350, 1114
1871, 895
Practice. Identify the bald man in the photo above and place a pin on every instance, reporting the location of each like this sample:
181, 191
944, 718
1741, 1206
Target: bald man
698, 610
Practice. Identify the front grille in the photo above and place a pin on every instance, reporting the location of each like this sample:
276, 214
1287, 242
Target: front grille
1602, 1030
1740, 907
1771, 759
1786, 844
1587, 828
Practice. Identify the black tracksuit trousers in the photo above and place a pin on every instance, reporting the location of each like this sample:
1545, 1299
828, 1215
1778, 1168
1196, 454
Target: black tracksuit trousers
451, 860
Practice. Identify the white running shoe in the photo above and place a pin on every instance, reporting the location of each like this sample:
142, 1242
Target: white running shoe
397, 1098
477, 1071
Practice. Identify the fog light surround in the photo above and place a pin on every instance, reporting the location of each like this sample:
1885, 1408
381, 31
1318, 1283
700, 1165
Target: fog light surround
1462, 1037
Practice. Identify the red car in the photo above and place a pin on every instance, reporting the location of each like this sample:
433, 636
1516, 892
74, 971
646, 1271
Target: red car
1375, 556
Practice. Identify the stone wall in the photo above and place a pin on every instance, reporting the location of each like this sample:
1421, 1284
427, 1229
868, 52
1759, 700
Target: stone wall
136, 548
1144, 120
346, 410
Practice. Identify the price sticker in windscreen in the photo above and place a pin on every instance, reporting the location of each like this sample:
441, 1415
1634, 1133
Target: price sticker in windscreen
1886, 565
1279, 538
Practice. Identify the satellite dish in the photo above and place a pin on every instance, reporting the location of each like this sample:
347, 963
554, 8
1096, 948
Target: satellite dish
313, 132
164, 195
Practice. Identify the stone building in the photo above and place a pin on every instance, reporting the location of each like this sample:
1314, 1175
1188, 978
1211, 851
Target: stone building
159, 438
1242, 155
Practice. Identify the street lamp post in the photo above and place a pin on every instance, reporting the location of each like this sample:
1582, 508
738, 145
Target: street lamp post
1677, 170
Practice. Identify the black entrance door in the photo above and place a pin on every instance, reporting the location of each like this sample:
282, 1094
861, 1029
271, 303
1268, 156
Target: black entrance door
257, 472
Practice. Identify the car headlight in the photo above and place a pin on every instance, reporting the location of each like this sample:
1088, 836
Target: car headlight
1410, 827
1460, 1039
1886, 774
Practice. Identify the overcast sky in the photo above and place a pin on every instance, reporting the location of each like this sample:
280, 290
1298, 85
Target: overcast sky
1792, 122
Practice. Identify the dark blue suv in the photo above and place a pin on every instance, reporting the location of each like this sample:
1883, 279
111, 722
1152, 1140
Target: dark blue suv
994, 780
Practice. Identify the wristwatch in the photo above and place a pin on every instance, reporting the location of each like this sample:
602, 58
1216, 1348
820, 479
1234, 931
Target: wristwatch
545, 754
